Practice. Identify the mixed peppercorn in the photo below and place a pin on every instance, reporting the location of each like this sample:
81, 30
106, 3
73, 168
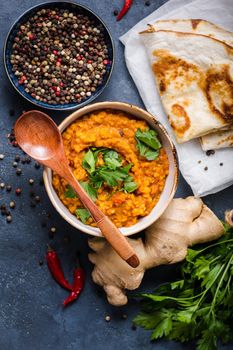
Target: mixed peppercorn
60, 56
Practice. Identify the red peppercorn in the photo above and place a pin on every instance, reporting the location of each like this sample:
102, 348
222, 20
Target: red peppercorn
14, 143
31, 36
89, 61
55, 52
105, 61
61, 84
58, 64
18, 191
58, 93
59, 59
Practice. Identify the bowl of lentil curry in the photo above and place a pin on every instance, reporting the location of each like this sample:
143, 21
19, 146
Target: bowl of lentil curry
124, 159
59, 55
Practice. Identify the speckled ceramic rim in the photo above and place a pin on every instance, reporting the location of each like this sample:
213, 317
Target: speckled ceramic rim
170, 185
56, 107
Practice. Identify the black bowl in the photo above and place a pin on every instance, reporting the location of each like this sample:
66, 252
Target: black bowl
75, 8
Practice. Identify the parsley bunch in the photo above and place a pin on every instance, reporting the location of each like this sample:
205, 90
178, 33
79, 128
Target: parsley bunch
198, 306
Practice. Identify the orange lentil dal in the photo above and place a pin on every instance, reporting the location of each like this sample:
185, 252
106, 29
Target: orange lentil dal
115, 130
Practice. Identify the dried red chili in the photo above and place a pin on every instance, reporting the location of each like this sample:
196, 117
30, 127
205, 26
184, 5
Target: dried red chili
124, 9
79, 281
55, 268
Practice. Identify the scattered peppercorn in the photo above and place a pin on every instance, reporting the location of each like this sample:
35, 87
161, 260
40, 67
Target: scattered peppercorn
2, 156
23, 161
18, 171
12, 204
206, 168
15, 144
210, 152
17, 158
53, 229
12, 112
133, 327
147, 3
3, 207
31, 181
37, 165
8, 218
14, 164
115, 12
59, 56
221, 164
124, 316
37, 199
2, 185
107, 318
41, 262
28, 160
8, 188
18, 191
42, 182
199, 162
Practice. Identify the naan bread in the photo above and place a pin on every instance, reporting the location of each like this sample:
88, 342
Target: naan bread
217, 140
220, 139
194, 75
198, 26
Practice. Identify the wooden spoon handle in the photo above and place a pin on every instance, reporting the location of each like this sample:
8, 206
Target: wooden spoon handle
113, 235
118, 241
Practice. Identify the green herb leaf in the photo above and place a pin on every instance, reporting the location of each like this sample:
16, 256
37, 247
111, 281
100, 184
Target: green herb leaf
162, 329
91, 191
70, 192
83, 214
129, 184
148, 143
89, 161
149, 138
199, 306
112, 159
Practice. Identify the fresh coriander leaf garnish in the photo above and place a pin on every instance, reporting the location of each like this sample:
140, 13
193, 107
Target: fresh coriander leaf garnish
83, 214
148, 143
112, 159
90, 190
127, 168
89, 161
112, 177
70, 192
112, 172
130, 185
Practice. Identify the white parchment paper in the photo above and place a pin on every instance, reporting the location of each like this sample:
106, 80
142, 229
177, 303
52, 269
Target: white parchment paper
193, 161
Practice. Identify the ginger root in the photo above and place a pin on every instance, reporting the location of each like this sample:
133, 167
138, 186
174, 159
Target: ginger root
229, 217
184, 223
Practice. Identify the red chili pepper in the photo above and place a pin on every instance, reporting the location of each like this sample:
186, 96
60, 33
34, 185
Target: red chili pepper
79, 281
124, 9
55, 268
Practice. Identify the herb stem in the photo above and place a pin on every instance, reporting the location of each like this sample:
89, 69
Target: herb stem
220, 283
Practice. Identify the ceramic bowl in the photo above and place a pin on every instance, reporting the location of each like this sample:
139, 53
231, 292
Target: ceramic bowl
171, 181
10, 40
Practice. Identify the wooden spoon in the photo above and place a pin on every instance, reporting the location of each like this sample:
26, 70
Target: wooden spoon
39, 136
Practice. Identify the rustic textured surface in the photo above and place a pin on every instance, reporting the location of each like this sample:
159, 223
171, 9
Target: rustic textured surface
31, 315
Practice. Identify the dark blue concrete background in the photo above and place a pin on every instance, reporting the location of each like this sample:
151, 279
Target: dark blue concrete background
31, 315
